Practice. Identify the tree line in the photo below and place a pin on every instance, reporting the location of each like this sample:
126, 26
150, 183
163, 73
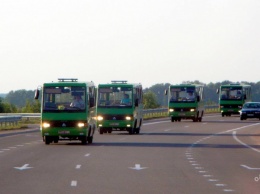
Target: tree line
22, 101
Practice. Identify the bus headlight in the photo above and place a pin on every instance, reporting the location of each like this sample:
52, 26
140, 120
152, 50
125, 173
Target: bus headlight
45, 125
171, 109
100, 118
192, 110
81, 124
128, 118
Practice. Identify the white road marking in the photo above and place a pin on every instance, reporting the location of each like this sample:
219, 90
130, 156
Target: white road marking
228, 190
73, 183
87, 154
249, 168
220, 185
239, 141
24, 167
152, 123
78, 166
137, 167
213, 180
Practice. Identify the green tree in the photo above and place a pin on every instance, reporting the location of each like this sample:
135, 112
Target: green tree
150, 101
19, 97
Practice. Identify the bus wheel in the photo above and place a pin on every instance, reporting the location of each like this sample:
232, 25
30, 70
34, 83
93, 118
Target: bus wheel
223, 114
47, 140
109, 130
56, 139
83, 140
137, 130
90, 137
101, 130
90, 140
131, 131
172, 119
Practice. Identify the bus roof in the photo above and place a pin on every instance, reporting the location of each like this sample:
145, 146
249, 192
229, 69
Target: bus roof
186, 85
120, 83
68, 82
235, 85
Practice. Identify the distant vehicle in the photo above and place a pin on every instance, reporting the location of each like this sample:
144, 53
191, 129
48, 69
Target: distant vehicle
119, 107
67, 111
232, 97
185, 101
250, 110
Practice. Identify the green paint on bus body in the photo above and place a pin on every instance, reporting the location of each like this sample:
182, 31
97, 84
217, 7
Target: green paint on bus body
232, 98
68, 111
185, 101
119, 107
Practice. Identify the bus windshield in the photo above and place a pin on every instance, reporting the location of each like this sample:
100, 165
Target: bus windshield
67, 99
115, 96
231, 94
182, 94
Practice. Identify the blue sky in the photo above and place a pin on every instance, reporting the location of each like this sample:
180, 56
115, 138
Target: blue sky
155, 41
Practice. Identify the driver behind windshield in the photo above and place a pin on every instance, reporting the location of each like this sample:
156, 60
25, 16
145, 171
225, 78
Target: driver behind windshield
77, 102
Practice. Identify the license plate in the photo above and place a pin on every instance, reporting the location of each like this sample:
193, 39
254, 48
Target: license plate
230, 110
250, 115
64, 132
181, 114
114, 124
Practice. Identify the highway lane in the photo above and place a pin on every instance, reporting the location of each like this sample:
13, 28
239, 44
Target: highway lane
218, 155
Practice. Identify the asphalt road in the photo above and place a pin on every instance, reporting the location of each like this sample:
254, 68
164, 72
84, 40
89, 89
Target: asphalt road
217, 155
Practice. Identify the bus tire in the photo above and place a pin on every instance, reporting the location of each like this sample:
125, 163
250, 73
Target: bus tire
101, 130
84, 140
90, 137
56, 139
47, 140
131, 131
172, 119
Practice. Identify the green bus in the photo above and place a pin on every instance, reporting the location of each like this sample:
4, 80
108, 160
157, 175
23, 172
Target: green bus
119, 107
232, 97
67, 110
185, 101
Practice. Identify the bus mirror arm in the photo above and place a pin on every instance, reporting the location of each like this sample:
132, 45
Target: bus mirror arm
198, 98
245, 97
136, 102
91, 102
166, 92
36, 94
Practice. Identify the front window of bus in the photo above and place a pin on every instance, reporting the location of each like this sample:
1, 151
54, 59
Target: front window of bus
231, 94
115, 97
64, 99
183, 94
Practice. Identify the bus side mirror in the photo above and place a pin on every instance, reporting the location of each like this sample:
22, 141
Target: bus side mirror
91, 102
245, 97
36, 94
217, 91
166, 92
198, 98
136, 102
